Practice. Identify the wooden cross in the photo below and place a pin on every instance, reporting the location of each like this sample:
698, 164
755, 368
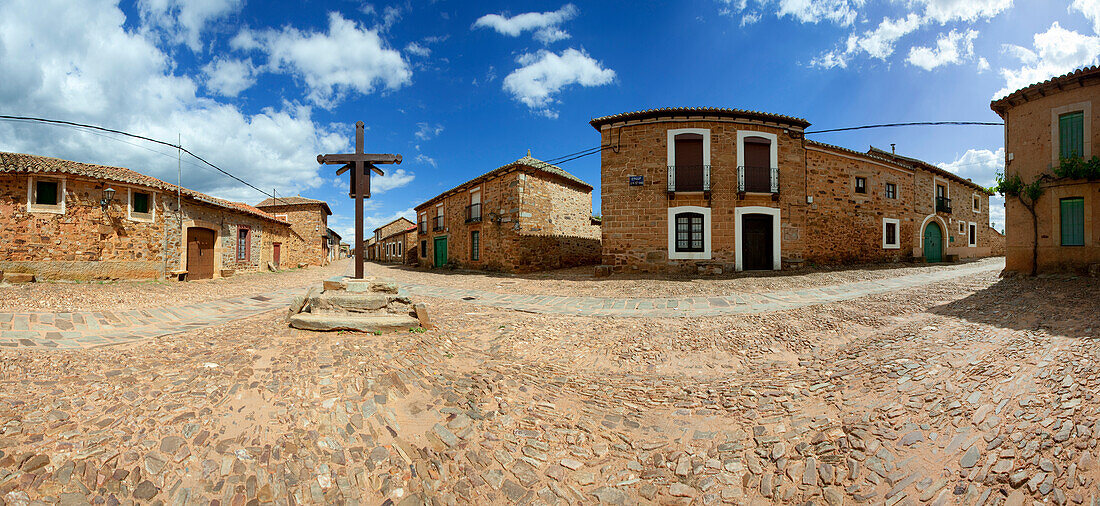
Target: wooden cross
360, 183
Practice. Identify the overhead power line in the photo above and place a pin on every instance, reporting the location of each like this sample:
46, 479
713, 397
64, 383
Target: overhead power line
136, 136
915, 123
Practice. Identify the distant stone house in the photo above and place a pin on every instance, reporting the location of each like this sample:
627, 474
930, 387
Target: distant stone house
716, 190
67, 220
332, 245
391, 240
524, 216
309, 220
1046, 123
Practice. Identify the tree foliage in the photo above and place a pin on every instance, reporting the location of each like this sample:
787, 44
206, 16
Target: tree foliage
1078, 168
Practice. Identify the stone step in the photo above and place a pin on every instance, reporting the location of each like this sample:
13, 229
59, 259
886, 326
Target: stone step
340, 301
361, 323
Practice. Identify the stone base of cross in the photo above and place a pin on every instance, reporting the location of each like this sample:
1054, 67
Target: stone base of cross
358, 163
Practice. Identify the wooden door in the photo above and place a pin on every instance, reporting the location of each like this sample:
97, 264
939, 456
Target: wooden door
758, 163
200, 253
275, 253
440, 251
689, 162
756, 242
933, 243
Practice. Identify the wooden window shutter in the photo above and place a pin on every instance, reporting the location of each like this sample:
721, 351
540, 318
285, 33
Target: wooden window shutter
1071, 134
1073, 221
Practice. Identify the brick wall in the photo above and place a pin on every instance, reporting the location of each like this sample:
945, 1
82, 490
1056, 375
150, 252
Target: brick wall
86, 243
1029, 139
529, 221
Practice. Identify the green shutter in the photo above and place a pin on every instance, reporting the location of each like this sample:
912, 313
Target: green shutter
1073, 222
1071, 134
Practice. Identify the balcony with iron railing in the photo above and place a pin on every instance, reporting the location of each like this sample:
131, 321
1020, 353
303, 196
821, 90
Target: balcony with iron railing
437, 224
688, 178
943, 205
473, 213
422, 227
757, 179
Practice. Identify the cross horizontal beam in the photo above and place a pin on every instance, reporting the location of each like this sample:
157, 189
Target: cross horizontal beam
369, 166
358, 157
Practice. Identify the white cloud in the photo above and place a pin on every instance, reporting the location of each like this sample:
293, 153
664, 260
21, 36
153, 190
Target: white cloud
982, 166
544, 74
951, 47
841, 12
229, 77
349, 58
374, 221
877, 43
425, 159
1091, 10
546, 25
394, 179
418, 50
102, 73
944, 11
1055, 52
425, 131
184, 20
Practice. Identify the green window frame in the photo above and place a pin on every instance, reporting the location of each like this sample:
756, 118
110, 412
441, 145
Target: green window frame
1073, 221
1071, 135
475, 246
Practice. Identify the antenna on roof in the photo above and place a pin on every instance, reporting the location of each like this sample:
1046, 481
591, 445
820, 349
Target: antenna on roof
892, 152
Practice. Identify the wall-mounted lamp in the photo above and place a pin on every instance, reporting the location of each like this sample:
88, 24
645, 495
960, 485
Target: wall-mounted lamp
108, 197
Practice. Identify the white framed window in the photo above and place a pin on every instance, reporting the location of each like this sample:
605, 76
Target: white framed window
1082, 132
689, 233
977, 203
891, 190
46, 195
141, 205
962, 227
757, 161
972, 235
688, 159
891, 233
283, 217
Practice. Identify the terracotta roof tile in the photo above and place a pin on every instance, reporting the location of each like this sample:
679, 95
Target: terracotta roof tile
699, 111
292, 201
34, 164
526, 161
1052, 84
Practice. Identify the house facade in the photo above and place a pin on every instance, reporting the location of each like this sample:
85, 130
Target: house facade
392, 241
310, 244
68, 220
716, 190
1044, 124
525, 216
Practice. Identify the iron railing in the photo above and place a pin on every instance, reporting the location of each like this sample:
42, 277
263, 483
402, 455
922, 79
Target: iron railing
688, 186
473, 213
437, 224
422, 227
758, 179
943, 205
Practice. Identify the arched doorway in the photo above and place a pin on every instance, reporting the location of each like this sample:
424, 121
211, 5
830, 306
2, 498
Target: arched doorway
933, 243
200, 253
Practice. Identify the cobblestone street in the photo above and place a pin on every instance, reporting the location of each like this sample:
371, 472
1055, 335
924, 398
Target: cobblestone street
961, 389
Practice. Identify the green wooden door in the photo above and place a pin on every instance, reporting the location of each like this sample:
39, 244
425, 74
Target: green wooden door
933, 243
440, 251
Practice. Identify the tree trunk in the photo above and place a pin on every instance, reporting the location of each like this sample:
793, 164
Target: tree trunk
1034, 236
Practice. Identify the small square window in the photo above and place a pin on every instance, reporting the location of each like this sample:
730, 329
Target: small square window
140, 204
890, 233
861, 185
977, 205
962, 227
891, 191
46, 193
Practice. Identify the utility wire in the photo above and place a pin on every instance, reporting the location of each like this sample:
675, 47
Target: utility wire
142, 137
915, 123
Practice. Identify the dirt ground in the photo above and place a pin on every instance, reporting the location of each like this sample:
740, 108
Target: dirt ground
580, 281
974, 391
59, 296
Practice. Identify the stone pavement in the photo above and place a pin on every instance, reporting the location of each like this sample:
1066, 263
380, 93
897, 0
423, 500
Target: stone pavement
86, 329
717, 305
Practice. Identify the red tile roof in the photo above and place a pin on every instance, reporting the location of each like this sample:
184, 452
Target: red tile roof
699, 111
20, 163
293, 201
1082, 76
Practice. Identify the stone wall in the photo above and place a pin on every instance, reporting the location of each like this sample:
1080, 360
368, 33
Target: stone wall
1029, 139
306, 245
837, 226
407, 240
88, 243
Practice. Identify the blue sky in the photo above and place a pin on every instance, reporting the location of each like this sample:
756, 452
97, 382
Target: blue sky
459, 88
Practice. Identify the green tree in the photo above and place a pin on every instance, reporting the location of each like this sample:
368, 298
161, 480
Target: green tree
1028, 195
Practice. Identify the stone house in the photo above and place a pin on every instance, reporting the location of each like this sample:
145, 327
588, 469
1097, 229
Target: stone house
715, 190
332, 245
525, 216
309, 219
1045, 123
390, 241
68, 220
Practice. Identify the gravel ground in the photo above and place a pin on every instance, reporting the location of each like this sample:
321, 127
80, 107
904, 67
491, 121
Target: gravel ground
580, 281
974, 391
119, 295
